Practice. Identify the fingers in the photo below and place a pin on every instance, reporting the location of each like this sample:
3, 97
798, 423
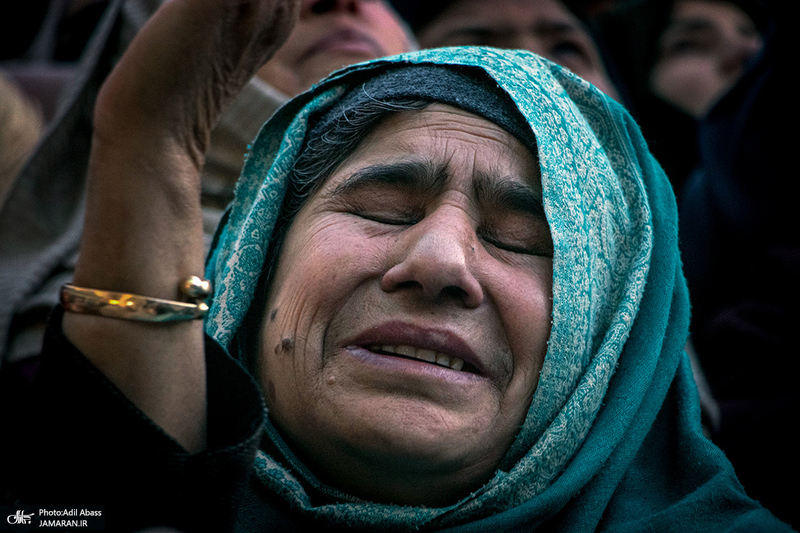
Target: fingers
186, 64
143, 226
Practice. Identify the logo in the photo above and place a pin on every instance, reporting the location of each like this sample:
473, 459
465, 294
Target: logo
19, 518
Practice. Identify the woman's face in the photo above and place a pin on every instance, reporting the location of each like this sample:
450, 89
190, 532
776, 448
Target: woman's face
702, 53
545, 27
410, 310
331, 34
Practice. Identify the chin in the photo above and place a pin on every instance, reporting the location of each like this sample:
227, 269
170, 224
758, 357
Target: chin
406, 464
413, 434
333, 60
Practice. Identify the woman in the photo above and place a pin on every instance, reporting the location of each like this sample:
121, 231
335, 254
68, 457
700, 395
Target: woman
704, 50
549, 28
678, 59
714, 128
393, 303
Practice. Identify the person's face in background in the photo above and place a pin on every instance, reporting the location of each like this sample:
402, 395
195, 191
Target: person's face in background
331, 34
702, 53
545, 27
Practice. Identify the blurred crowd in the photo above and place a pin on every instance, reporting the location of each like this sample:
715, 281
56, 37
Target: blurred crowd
705, 79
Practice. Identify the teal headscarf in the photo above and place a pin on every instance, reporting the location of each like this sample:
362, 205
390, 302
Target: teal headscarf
612, 439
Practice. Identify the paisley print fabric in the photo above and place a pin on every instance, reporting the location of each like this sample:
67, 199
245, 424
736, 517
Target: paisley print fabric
620, 314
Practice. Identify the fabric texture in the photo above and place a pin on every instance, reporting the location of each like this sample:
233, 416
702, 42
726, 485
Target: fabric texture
41, 220
612, 439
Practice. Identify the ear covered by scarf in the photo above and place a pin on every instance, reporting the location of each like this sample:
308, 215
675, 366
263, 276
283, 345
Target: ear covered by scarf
615, 366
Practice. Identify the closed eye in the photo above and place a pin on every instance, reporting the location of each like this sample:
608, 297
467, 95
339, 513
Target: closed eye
388, 218
509, 247
538, 250
391, 194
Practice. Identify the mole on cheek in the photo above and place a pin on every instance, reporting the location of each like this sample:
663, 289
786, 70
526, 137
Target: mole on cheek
273, 315
286, 345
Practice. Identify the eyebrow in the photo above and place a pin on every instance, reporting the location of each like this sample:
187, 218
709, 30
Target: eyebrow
423, 176
430, 179
509, 193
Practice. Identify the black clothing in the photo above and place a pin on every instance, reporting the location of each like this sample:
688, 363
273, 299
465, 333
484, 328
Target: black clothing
77, 434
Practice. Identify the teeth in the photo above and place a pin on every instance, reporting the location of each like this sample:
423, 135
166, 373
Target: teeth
427, 355
408, 351
424, 355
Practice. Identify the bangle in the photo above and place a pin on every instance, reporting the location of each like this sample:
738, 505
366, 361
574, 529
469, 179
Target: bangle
135, 307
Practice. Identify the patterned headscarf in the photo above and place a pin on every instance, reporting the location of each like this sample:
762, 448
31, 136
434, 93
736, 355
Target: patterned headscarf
614, 368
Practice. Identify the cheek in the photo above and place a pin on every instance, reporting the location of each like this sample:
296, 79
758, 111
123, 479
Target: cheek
320, 268
313, 274
290, 361
319, 272
599, 79
387, 30
690, 84
526, 310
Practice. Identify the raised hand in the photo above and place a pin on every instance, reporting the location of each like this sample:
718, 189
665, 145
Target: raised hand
186, 64
143, 229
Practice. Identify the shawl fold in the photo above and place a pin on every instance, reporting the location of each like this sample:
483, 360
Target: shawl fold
612, 439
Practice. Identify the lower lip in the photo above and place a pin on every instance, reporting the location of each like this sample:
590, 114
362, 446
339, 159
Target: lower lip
411, 367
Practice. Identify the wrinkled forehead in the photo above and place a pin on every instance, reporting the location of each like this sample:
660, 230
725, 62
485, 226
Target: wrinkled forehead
515, 89
439, 143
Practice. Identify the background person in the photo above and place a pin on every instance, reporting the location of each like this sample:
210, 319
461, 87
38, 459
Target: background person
546, 27
704, 50
739, 241
677, 59
21, 128
445, 228
740, 193
42, 221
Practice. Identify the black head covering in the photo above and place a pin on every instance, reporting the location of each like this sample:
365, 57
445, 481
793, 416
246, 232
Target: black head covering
469, 90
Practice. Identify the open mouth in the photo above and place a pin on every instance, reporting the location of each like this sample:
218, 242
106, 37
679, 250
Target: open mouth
421, 354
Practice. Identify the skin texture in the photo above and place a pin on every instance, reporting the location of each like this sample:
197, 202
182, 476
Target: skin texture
545, 27
458, 260
331, 34
143, 229
702, 53
463, 272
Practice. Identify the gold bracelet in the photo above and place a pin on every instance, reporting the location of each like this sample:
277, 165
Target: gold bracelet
134, 307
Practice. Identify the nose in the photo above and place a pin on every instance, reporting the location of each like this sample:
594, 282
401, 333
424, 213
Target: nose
320, 7
436, 256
